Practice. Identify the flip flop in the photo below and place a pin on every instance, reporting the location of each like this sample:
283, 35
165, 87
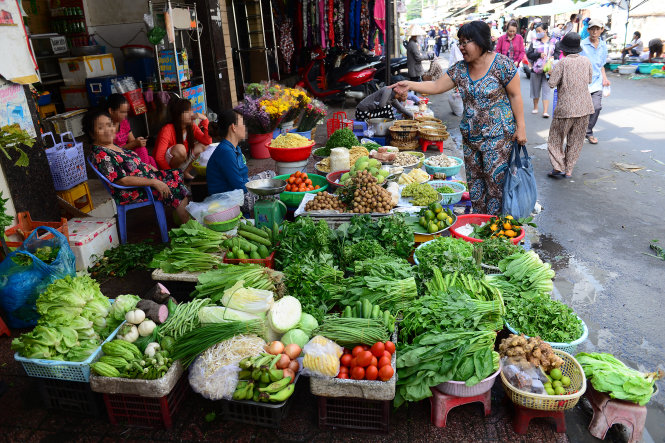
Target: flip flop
556, 174
593, 140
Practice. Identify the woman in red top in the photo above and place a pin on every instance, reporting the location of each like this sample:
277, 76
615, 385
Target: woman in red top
181, 141
511, 44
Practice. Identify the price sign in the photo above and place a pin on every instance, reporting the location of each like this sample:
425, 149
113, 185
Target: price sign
58, 44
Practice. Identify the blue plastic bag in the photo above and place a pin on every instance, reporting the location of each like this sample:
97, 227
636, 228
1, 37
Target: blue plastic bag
20, 285
519, 190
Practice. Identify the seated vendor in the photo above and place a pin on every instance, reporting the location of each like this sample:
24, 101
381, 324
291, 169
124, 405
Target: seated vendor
124, 167
227, 168
180, 142
118, 108
381, 103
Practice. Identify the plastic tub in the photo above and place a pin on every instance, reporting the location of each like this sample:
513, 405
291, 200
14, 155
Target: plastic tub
293, 199
566, 347
627, 69
224, 226
288, 168
477, 219
290, 154
460, 389
332, 178
449, 171
646, 68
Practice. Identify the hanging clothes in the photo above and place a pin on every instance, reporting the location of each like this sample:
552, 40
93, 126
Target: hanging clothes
322, 22
364, 23
347, 31
331, 23
286, 43
380, 15
372, 26
357, 42
339, 23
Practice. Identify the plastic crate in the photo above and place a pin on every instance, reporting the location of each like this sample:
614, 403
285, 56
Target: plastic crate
63, 370
258, 414
26, 225
66, 161
72, 397
354, 413
146, 412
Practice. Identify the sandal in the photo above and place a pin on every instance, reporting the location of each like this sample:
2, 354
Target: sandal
546, 115
593, 140
556, 174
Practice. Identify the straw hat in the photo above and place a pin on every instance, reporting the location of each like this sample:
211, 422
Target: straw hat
416, 30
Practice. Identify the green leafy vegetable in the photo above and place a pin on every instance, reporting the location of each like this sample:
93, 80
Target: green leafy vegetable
182, 258
496, 249
117, 261
535, 314
193, 235
342, 138
212, 284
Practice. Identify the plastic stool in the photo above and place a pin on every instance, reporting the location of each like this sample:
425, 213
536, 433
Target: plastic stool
4, 330
424, 144
607, 412
73, 195
442, 404
47, 110
524, 415
359, 128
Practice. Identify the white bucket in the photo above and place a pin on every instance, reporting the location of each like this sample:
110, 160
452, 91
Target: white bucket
290, 167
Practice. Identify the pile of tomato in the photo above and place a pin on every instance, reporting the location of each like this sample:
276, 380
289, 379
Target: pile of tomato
299, 182
368, 363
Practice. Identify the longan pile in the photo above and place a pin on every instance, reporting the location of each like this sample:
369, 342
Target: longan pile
324, 201
369, 196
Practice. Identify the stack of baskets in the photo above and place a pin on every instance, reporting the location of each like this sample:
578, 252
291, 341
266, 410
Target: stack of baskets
404, 135
427, 119
431, 129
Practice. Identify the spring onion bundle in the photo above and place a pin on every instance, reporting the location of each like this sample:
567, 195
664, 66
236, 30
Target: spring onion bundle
353, 331
529, 271
190, 345
181, 258
212, 284
394, 295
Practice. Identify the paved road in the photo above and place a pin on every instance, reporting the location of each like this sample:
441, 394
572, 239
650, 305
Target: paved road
596, 227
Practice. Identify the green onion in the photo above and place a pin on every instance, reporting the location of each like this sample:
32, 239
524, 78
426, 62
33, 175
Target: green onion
353, 331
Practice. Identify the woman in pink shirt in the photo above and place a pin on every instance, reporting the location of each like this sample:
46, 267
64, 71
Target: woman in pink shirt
511, 44
118, 108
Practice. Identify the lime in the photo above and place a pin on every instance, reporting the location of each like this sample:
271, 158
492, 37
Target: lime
429, 215
450, 220
559, 390
556, 374
548, 385
436, 207
423, 222
549, 391
565, 381
442, 225
557, 384
432, 228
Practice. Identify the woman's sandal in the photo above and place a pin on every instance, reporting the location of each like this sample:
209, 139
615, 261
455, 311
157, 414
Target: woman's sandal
535, 111
556, 174
593, 140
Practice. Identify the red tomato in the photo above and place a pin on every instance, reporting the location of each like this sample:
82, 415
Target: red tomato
364, 358
317, 187
378, 349
365, 347
358, 349
371, 373
357, 373
374, 362
387, 354
354, 363
343, 375
384, 361
303, 175
298, 181
346, 359
386, 372
343, 370
308, 182
390, 347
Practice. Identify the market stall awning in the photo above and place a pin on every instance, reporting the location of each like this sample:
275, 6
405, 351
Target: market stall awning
463, 10
554, 8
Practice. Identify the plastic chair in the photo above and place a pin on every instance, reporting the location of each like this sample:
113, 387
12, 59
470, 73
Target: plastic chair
122, 209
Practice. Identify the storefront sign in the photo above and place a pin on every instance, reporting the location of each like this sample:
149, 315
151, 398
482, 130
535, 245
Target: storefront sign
195, 95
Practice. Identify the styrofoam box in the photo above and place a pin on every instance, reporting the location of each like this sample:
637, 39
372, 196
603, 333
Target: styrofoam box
89, 237
76, 69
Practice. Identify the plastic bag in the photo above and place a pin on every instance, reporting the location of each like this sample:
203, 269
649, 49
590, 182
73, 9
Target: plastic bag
523, 375
519, 190
220, 385
215, 203
456, 103
205, 155
21, 284
321, 357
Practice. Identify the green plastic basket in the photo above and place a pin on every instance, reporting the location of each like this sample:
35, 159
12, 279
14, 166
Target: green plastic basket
449, 198
225, 225
293, 199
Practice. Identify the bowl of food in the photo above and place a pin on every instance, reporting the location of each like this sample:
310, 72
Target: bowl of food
409, 160
477, 219
443, 163
290, 147
450, 190
291, 198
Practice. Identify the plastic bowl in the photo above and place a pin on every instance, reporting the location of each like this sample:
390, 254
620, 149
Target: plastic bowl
566, 347
332, 179
449, 198
460, 389
290, 154
317, 154
477, 219
646, 68
223, 216
225, 225
200, 170
449, 170
627, 69
293, 199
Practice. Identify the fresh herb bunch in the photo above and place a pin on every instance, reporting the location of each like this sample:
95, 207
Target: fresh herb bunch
364, 249
392, 232
117, 261
395, 268
448, 255
536, 314
299, 237
496, 249
342, 138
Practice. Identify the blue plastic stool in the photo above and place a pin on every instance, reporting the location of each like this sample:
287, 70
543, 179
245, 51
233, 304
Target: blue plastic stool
359, 128
122, 209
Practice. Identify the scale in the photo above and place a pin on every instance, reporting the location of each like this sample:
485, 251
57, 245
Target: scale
268, 209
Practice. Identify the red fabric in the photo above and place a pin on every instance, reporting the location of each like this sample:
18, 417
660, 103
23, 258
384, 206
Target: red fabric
331, 23
503, 46
166, 139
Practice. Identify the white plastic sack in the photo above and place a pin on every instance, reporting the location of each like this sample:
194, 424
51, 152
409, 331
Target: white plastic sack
321, 357
456, 104
219, 386
215, 203
205, 155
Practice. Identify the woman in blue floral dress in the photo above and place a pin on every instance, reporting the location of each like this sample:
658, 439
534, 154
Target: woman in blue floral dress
493, 113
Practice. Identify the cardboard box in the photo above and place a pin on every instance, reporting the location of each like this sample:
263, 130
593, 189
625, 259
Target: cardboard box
74, 97
89, 237
76, 69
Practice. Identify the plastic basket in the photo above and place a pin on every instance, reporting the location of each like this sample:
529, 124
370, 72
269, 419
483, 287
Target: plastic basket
223, 226
477, 219
448, 170
255, 413
449, 198
25, 227
72, 397
354, 413
66, 161
293, 199
543, 402
566, 347
267, 262
146, 412
460, 389
338, 121
63, 370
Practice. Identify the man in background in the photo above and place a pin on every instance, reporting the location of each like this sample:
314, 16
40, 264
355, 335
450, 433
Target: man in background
595, 50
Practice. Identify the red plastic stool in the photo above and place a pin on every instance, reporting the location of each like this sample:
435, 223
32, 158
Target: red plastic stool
442, 404
424, 144
607, 412
4, 329
524, 415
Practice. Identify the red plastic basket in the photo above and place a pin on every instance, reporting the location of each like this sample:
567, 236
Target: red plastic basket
267, 262
136, 102
339, 120
477, 219
146, 412
25, 227
354, 413
290, 154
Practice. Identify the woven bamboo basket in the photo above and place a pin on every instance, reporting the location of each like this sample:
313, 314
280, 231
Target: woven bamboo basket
433, 135
427, 119
403, 134
406, 146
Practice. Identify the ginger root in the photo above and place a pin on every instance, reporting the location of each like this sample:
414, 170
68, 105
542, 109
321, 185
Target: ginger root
534, 350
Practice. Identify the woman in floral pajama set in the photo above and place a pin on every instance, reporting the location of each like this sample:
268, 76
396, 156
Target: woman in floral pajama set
493, 113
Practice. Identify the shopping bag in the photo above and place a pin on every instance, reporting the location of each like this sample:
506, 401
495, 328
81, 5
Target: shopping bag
23, 276
456, 103
519, 190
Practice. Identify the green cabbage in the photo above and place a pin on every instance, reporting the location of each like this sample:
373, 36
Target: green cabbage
122, 305
254, 301
285, 314
297, 336
219, 314
307, 323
